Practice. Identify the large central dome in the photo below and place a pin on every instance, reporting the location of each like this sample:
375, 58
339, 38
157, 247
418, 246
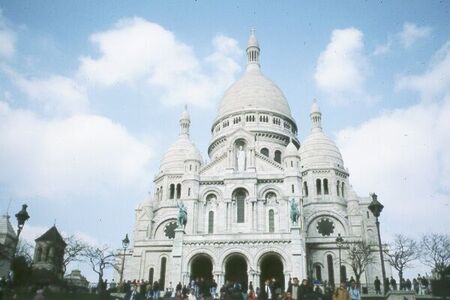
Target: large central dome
253, 91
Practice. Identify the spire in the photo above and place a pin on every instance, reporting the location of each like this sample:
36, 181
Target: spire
316, 116
185, 121
252, 51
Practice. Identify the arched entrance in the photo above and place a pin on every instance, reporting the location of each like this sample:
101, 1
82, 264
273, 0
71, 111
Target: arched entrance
201, 267
236, 270
272, 268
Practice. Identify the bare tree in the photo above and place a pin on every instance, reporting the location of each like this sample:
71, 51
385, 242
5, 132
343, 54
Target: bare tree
435, 252
25, 249
359, 256
401, 253
100, 258
74, 251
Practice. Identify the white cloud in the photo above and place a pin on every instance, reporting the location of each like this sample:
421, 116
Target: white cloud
435, 82
136, 49
56, 94
83, 155
411, 33
381, 49
7, 38
341, 68
404, 155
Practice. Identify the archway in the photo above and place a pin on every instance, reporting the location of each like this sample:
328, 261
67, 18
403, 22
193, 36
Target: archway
201, 267
236, 270
272, 268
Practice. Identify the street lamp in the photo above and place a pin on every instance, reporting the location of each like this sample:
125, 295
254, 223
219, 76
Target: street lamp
21, 217
125, 243
340, 243
376, 207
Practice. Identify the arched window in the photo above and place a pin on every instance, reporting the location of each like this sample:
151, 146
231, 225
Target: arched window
277, 156
325, 186
172, 191
151, 274
318, 272
39, 254
368, 215
330, 269
189, 192
293, 188
305, 188
271, 221
318, 187
162, 273
343, 189
240, 195
265, 152
161, 193
179, 191
338, 187
211, 222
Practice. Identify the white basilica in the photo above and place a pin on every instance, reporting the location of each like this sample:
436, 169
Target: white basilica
238, 204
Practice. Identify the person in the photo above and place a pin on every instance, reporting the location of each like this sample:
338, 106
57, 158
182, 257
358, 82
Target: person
318, 295
251, 293
354, 292
305, 290
377, 284
267, 291
408, 284
213, 288
341, 293
293, 289
415, 285
393, 283
191, 295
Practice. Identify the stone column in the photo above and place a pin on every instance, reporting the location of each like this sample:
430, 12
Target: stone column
177, 256
298, 252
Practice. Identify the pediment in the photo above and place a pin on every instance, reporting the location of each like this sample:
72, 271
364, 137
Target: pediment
265, 164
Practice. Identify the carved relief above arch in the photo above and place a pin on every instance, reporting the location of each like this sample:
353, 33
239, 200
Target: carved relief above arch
326, 224
165, 229
262, 193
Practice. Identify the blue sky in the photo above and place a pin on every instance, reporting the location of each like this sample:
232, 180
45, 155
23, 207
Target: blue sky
90, 95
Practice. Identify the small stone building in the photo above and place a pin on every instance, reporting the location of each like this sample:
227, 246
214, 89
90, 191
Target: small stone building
8, 240
49, 253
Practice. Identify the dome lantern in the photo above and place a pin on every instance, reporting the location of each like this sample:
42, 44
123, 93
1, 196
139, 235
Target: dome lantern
185, 122
316, 116
252, 51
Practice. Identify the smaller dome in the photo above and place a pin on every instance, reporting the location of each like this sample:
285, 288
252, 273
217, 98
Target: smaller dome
319, 150
173, 160
194, 154
291, 150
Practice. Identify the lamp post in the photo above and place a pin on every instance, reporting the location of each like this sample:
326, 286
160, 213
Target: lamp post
340, 243
125, 243
22, 216
376, 207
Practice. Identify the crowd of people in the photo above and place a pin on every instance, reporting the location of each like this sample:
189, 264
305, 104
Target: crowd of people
201, 289
420, 285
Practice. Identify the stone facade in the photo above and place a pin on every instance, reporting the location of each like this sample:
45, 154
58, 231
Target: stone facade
49, 253
8, 241
239, 225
